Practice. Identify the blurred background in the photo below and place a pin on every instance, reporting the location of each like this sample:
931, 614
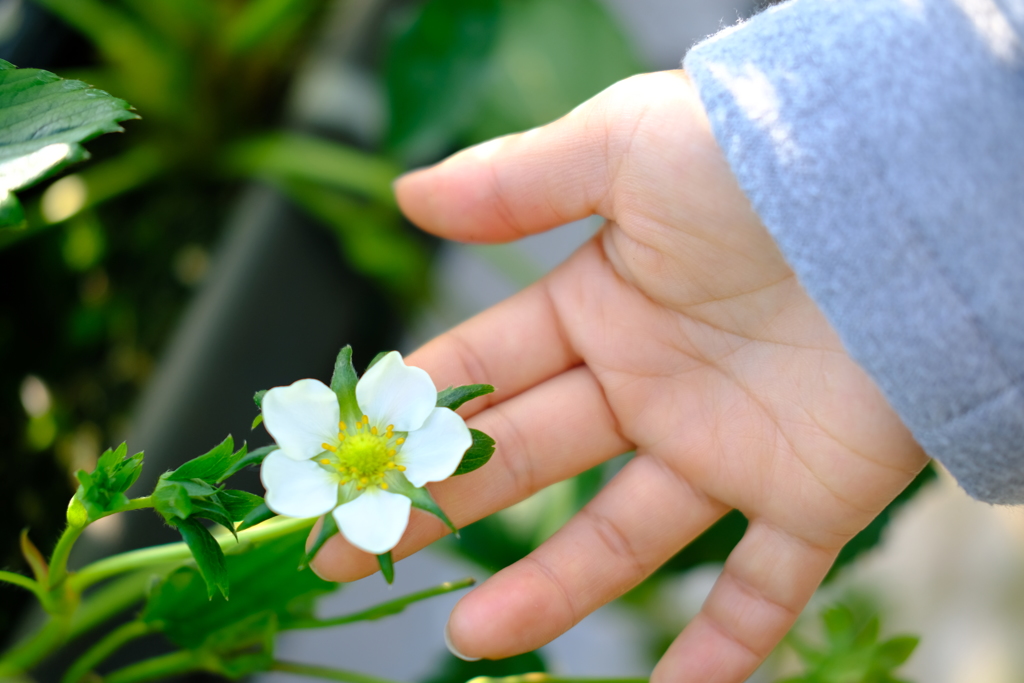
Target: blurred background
243, 230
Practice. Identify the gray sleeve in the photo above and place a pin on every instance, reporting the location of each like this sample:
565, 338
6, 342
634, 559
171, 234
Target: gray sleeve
882, 144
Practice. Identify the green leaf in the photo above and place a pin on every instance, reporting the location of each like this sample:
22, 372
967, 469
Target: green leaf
239, 504
43, 118
478, 454
868, 635
839, 624
242, 648
263, 580
251, 459
387, 567
209, 466
257, 515
343, 383
420, 497
291, 156
454, 397
328, 528
435, 72
256, 421
172, 500
551, 56
262, 20
207, 553
258, 398
895, 651
12, 216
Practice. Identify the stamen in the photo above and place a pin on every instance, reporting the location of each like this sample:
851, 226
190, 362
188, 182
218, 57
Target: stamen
329, 447
325, 461
373, 430
392, 452
341, 426
400, 442
364, 480
401, 468
383, 485
366, 419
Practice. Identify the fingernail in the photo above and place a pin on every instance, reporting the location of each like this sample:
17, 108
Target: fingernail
451, 648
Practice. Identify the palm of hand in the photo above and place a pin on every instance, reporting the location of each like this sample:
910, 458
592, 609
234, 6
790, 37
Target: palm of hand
680, 332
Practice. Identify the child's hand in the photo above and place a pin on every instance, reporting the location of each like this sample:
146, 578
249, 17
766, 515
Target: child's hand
678, 331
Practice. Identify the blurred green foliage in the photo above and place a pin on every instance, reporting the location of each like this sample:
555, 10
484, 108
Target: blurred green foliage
851, 651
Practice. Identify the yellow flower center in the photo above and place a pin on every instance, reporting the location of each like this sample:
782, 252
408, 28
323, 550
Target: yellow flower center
363, 455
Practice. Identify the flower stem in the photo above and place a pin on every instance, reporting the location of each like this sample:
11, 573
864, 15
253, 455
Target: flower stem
33, 649
107, 646
547, 678
179, 552
179, 662
59, 559
322, 672
134, 504
23, 581
385, 608
109, 600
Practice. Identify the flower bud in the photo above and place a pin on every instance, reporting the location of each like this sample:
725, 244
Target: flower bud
78, 517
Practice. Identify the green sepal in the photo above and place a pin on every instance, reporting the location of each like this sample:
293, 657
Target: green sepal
257, 515
453, 397
420, 497
387, 567
171, 499
248, 459
343, 383
238, 504
477, 455
212, 509
102, 490
895, 651
207, 553
328, 528
256, 421
12, 215
258, 398
377, 358
211, 465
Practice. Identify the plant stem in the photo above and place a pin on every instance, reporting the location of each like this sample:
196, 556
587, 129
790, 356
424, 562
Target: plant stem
547, 678
59, 559
179, 662
385, 608
322, 672
33, 649
110, 600
134, 504
179, 552
23, 581
107, 646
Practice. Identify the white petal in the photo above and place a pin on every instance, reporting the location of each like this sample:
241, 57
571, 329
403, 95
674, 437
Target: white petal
301, 417
433, 452
375, 521
393, 393
297, 488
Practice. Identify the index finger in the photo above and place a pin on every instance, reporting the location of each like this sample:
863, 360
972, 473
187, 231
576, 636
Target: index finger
534, 181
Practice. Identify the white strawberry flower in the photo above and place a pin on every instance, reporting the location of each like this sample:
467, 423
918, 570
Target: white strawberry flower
360, 457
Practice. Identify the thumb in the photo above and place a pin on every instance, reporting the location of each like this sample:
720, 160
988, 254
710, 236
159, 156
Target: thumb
529, 182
